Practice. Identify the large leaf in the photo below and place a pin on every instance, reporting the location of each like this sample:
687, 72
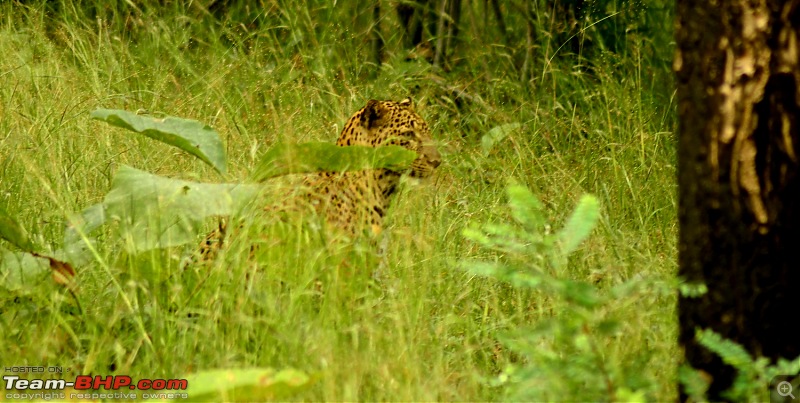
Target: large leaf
20, 270
245, 385
496, 135
188, 135
158, 212
579, 225
12, 232
77, 239
284, 159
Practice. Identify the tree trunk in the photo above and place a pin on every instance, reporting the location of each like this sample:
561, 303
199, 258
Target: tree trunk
739, 191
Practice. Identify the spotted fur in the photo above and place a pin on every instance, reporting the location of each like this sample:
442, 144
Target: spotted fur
357, 201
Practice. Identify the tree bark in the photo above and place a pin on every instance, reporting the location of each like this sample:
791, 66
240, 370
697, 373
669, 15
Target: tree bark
739, 192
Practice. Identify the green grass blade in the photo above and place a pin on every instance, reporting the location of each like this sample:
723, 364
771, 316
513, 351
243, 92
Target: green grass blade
12, 232
579, 225
247, 384
188, 135
284, 159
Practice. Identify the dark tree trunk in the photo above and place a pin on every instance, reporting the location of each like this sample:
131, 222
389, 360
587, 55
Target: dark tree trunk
501, 22
739, 191
412, 20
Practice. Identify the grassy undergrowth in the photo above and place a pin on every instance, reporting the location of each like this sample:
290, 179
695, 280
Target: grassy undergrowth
428, 330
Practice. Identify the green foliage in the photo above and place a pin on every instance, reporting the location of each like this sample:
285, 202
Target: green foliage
12, 232
694, 383
751, 374
157, 212
245, 384
283, 159
565, 359
579, 224
496, 135
188, 135
693, 290
597, 121
20, 270
17, 269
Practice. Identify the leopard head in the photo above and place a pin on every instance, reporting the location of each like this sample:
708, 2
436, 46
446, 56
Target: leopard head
382, 123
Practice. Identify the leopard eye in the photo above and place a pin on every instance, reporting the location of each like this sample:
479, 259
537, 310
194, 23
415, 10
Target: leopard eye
410, 134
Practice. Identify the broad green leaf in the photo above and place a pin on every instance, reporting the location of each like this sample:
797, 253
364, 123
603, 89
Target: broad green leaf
77, 237
526, 208
284, 159
158, 212
245, 385
188, 135
12, 232
579, 225
20, 270
87, 221
496, 135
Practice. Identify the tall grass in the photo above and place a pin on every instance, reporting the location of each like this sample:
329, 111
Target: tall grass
427, 330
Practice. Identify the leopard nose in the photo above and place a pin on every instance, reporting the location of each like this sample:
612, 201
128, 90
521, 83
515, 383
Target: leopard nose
433, 155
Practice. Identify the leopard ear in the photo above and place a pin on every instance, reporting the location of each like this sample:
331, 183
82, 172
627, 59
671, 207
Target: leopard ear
374, 113
407, 103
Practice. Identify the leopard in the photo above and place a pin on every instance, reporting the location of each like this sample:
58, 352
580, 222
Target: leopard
355, 202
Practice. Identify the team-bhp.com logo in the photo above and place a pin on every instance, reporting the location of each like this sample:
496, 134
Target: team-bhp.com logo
88, 387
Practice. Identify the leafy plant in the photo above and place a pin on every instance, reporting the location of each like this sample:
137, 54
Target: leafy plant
188, 135
564, 356
159, 212
21, 267
752, 375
